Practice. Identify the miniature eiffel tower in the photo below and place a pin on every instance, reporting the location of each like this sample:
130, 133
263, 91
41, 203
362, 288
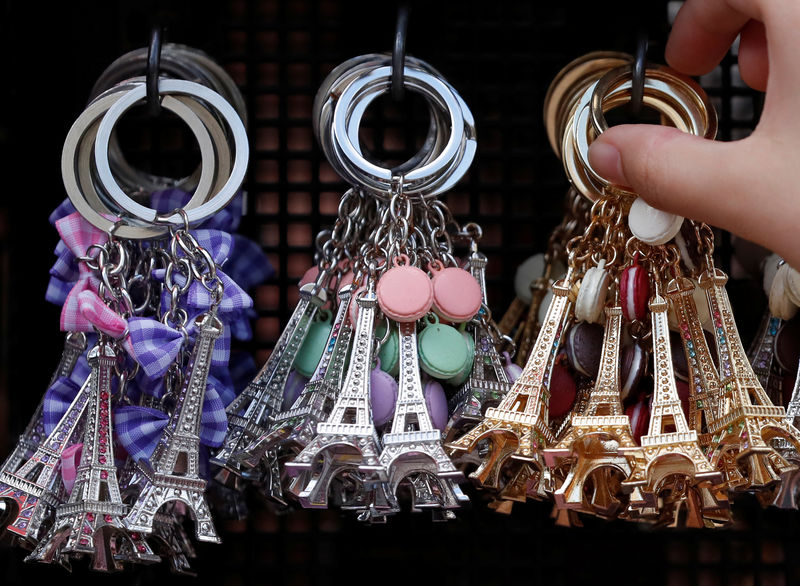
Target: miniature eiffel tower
34, 485
90, 521
488, 383
670, 447
37, 498
704, 385
173, 471
413, 445
296, 426
31, 438
518, 427
600, 437
746, 421
762, 358
787, 492
248, 414
348, 438
176, 547
529, 329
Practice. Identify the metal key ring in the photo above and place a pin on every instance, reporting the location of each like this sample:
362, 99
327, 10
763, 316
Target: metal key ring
219, 142
380, 178
429, 151
171, 86
660, 83
459, 165
680, 101
77, 154
333, 86
179, 61
567, 86
583, 134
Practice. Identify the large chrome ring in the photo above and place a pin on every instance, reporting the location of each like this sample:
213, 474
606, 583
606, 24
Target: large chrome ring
216, 201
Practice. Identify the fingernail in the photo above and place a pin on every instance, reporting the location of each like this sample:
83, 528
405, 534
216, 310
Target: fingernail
606, 160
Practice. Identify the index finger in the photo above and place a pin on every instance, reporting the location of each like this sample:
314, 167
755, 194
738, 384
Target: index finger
702, 34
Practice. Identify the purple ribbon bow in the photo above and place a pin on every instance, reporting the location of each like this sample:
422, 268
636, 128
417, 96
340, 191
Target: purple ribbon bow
138, 429
62, 392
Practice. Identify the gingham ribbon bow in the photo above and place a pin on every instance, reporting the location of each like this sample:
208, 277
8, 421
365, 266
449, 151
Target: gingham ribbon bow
79, 235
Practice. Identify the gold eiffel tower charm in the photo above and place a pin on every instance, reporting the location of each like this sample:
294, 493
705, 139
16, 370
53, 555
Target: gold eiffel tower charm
599, 441
670, 449
746, 422
518, 428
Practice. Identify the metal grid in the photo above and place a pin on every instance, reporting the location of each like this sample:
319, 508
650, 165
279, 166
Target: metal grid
500, 56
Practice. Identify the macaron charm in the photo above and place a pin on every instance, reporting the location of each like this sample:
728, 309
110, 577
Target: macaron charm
584, 345
457, 295
295, 383
443, 352
781, 302
513, 371
633, 363
405, 293
651, 225
310, 353
634, 291
531, 269
389, 353
592, 294
383, 395
466, 371
436, 401
639, 414
563, 390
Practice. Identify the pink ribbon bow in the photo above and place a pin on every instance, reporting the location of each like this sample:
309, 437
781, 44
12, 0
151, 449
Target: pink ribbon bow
79, 235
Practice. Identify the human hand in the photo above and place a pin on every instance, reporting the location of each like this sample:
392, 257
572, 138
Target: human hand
749, 187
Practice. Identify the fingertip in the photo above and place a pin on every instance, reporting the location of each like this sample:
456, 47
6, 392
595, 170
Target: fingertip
606, 160
753, 56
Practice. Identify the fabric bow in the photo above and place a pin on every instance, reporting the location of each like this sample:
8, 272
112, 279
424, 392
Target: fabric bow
78, 235
138, 429
155, 346
100, 315
62, 392
248, 265
70, 459
65, 208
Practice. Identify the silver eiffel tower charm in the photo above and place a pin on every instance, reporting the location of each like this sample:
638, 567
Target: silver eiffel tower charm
413, 445
488, 383
31, 438
295, 427
173, 472
348, 438
175, 544
34, 486
786, 495
762, 358
90, 522
249, 413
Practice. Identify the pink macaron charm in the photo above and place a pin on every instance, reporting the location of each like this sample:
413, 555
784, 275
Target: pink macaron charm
405, 293
457, 295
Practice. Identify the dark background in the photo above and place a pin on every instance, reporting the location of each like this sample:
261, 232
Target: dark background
500, 56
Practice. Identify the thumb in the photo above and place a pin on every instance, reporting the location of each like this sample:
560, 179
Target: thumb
686, 175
